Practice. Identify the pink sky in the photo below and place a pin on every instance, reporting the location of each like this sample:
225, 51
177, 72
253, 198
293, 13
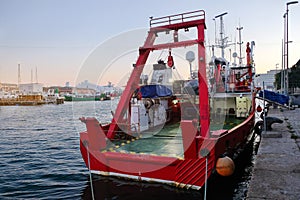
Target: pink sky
58, 37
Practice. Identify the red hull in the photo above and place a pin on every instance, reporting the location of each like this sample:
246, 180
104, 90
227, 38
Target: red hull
170, 170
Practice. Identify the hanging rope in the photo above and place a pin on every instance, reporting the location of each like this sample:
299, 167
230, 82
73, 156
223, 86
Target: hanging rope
205, 153
90, 173
205, 185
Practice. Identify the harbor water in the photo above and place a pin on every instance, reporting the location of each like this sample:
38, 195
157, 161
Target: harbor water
40, 159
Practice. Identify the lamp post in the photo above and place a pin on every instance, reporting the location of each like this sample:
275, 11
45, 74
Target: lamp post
282, 83
284, 56
287, 43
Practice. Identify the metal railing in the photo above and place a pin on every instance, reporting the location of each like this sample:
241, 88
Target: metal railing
179, 18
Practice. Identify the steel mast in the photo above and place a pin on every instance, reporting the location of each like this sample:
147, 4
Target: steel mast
223, 39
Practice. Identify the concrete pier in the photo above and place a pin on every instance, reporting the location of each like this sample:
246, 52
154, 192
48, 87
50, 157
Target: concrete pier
276, 173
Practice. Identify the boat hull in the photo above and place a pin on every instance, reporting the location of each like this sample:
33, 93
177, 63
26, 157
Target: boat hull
189, 173
176, 171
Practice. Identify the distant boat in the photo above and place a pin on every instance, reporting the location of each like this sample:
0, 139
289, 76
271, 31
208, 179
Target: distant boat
101, 97
82, 98
53, 96
30, 100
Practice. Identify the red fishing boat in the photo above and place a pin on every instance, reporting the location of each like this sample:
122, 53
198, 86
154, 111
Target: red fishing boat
176, 132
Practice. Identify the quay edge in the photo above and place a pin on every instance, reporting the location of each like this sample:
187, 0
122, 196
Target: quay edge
276, 172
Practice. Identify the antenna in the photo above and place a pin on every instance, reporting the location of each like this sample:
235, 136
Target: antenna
223, 41
215, 30
240, 44
31, 77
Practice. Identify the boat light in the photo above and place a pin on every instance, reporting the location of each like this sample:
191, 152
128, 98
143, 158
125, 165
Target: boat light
175, 101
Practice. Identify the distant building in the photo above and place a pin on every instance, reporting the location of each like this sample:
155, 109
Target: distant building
268, 79
84, 91
8, 87
71, 90
31, 88
67, 84
61, 90
86, 84
87, 88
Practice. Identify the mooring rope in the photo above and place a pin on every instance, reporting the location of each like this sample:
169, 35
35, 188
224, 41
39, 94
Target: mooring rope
205, 184
90, 173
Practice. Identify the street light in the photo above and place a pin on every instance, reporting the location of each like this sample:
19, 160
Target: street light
282, 67
287, 42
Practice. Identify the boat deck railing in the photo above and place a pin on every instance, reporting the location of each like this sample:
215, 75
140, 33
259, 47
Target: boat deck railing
179, 18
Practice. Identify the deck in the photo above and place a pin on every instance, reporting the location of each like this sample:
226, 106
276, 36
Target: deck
166, 141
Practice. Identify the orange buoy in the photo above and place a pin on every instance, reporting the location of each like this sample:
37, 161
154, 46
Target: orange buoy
225, 166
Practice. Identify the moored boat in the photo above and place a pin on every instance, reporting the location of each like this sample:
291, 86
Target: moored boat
81, 98
175, 131
100, 97
30, 100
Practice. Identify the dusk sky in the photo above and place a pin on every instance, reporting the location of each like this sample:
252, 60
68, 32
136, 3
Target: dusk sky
58, 36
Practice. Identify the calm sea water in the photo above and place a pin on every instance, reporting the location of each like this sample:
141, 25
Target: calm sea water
40, 159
